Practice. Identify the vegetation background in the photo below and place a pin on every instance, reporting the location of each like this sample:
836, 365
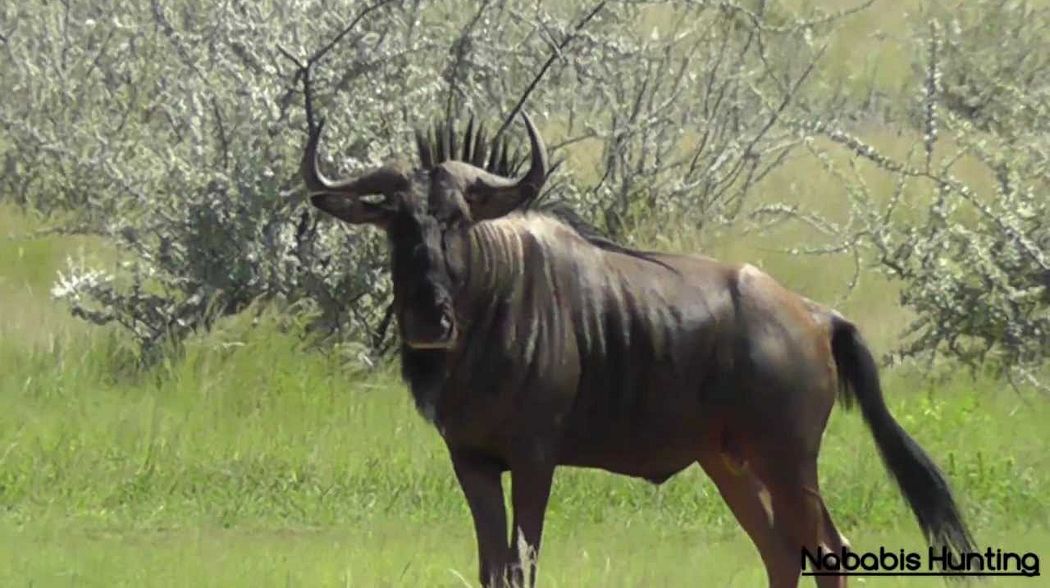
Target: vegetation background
221, 408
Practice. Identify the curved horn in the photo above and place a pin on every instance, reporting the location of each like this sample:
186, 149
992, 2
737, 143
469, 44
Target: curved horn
315, 181
378, 181
496, 195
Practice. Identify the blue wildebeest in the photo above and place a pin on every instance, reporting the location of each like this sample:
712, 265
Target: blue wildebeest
531, 342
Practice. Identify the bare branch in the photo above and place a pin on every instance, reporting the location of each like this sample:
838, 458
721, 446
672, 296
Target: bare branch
555, 53
320, 53
305, 68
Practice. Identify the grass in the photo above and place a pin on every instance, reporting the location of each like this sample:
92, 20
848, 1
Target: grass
268, 434
389, 555
260, 464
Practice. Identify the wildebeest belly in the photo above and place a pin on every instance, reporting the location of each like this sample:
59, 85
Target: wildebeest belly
647, 397
654, 438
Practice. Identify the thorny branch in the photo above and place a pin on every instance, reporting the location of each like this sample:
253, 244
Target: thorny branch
304, 68
555, 54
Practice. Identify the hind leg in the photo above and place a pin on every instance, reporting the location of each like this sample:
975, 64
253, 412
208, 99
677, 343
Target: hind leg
834, 539
770, 484
800, 517
751, 504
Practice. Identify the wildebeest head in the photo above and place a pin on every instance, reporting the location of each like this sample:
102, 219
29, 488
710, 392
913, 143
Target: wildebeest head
425, 213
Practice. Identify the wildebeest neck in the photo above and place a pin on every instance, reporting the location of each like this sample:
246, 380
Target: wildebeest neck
542, 308
539, 293
503, 251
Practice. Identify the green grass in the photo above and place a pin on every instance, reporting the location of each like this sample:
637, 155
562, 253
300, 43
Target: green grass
261, 464
393, 555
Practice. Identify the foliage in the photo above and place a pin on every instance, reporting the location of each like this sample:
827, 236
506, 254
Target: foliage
684, 118
167, 130
175, 130
995, 69
973, 255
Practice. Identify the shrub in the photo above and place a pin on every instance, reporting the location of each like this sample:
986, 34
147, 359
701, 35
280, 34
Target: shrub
973, 255
175, 128
995, 69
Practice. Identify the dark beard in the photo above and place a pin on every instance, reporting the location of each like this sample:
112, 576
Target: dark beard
425, 371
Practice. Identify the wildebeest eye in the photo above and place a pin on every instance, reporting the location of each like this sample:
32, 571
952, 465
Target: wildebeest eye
374, 199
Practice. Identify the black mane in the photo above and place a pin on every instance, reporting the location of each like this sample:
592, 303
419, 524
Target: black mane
441, 143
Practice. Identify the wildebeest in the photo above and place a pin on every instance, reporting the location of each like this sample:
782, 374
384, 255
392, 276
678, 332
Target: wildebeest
531, 343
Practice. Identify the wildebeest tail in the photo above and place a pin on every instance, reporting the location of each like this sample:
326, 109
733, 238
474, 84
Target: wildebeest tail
921, 482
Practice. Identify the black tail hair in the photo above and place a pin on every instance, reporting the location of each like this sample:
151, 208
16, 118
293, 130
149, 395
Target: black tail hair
921, 483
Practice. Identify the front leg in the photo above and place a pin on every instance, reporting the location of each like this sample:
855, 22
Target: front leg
479, 477
530, 489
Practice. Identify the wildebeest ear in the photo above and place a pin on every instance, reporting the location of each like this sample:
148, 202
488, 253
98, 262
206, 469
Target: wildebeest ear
353, 209
343, 199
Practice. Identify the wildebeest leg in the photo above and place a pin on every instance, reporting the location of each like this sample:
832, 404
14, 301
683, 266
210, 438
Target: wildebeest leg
750, 503
834, 539
831, 539
479, 477
530, 489
798, 513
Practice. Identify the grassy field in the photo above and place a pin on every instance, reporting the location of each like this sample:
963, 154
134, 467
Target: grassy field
253, 461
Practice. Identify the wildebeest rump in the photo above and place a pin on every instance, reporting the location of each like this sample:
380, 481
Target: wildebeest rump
531, 342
